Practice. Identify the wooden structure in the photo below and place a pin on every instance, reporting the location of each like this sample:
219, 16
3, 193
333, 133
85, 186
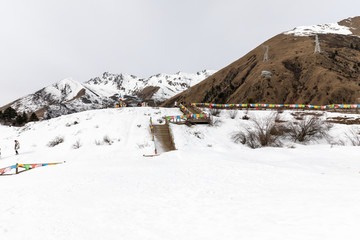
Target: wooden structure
163, 137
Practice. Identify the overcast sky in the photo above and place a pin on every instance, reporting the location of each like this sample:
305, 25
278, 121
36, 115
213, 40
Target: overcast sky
44, 41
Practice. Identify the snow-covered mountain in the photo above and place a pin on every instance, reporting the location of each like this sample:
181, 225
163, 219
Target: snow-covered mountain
166, 85
69, 96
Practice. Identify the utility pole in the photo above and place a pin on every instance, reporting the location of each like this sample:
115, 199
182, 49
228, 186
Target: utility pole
317, 45
266, 54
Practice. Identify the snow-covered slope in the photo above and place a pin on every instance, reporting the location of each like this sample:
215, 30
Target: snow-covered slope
210, 188
69, 96
331, 28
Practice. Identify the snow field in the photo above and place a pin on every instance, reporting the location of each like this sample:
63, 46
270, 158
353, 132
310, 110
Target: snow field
210, 188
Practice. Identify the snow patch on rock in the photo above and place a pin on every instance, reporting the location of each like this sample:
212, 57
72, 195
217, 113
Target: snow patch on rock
330, 28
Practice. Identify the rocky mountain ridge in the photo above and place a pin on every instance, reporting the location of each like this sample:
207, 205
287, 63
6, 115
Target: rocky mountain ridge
69, 96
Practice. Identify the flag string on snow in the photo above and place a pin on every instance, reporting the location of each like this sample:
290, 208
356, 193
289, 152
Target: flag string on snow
26, 166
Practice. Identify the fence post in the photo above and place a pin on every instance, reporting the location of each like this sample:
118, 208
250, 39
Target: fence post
17, 168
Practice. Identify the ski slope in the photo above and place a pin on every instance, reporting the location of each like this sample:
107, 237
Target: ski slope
210, 188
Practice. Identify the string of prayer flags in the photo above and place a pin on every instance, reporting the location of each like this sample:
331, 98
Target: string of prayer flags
25, 166
256, 105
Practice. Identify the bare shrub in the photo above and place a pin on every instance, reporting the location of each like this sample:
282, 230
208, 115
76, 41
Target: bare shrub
309, 128
215, 122
142, 145
278, 118
215, 112
77, 144
260, 134
239, 137
56, 141
338, 142
280, 129
233, 114
107, 140
73, 123
353, 136
245, 117
198, 135
302, 115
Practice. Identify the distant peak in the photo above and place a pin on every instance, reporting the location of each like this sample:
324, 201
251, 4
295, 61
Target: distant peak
67, 80
65, 83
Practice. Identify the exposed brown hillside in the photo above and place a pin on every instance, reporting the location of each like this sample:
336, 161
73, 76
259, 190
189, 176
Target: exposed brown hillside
298, 75
353, 24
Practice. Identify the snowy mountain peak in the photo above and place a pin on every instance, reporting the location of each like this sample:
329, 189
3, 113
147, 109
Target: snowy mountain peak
69, 95
169, 84
64, 90
348, 26
330, 28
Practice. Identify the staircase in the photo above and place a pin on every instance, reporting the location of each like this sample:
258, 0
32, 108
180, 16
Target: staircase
205, 119
163, 139
194, 110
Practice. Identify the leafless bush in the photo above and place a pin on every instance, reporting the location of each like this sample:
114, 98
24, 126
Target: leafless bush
77, 144
260, 134
309, 128
302, 115
239, 137
198, 135
142, 145
56, 141
73, 123
233, 114
215, 122
278, 118
354, 136
107, 140
280, 129
215, 112
338, 142
245, 117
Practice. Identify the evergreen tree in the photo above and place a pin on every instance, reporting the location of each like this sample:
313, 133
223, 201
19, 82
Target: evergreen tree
33, 118
25, 117
9, 114
19, 120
